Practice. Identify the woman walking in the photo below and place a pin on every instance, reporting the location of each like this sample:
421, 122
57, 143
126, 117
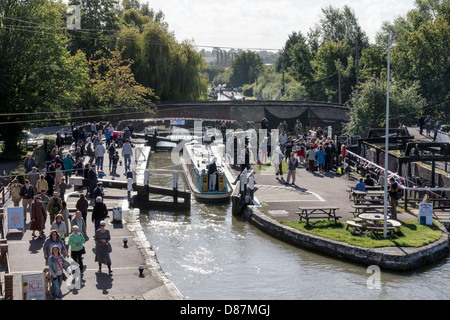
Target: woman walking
60, 226
38, 217
321, 158
76, 241
102, 247
56, 265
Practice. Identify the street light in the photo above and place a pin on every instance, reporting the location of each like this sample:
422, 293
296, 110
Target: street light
386, 150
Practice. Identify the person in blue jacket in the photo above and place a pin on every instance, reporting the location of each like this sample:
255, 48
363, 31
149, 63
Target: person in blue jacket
360, 186
321, 158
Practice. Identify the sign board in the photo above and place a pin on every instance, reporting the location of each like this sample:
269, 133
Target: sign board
15, 218
177, 122
117, 214
76, 181
33, 286
426, 213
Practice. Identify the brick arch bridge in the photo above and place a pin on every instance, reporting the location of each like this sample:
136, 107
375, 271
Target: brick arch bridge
310, 113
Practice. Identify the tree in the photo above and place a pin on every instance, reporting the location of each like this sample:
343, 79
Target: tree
368, 107
423, 55
295, 58
38, 73
270, 83
338, 25
115, 86
245, 68
173, 70
99, 23
373, 62
334, 73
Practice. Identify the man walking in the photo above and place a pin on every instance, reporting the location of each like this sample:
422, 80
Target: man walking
27, 193
127, 153
100, 151
292, 165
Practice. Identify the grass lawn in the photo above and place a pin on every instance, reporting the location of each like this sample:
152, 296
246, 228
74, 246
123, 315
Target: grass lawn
411, 233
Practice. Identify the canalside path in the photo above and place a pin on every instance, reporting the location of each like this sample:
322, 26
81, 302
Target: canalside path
125, 283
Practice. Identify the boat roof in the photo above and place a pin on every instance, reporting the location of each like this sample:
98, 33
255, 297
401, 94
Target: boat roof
201, 155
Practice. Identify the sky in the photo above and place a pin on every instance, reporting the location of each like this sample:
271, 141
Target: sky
264, 24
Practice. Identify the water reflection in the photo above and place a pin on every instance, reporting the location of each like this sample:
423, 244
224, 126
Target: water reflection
210, 254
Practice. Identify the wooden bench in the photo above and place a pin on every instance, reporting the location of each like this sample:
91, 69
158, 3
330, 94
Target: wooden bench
356, 194
307, 212
356, 226
368, 188
391, 226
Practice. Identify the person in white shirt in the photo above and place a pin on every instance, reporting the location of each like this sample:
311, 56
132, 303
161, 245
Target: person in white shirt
127, 153
100, 151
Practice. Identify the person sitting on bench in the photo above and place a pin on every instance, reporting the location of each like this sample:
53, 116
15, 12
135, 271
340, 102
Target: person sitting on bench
360, 186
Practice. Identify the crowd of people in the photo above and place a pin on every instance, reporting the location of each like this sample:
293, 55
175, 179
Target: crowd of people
296, 146
43, 198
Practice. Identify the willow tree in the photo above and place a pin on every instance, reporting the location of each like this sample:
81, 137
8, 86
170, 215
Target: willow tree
173, 70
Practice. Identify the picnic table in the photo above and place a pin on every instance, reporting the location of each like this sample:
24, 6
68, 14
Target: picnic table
368, 193
363, 208
373, 223
324, 212
368, 188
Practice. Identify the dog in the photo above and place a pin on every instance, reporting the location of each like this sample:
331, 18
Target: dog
48, 281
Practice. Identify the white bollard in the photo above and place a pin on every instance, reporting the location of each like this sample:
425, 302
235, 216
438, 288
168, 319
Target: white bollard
175, 179
146, 177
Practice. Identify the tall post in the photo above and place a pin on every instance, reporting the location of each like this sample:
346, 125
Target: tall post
175, 188
386, 151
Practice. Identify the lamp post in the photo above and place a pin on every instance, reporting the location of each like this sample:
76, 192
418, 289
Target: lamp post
386, 152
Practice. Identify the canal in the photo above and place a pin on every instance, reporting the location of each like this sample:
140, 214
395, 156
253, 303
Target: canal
212, 255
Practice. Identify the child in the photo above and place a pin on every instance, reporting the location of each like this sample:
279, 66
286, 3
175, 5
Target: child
115, 160
62, 186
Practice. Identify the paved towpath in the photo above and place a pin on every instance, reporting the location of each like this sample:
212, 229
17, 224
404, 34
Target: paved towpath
26, 256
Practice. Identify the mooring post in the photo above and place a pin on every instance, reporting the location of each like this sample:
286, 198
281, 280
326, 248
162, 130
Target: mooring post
129, 188
175, 187
146, 182
251, 186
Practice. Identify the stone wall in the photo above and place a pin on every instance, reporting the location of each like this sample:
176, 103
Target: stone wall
399, 259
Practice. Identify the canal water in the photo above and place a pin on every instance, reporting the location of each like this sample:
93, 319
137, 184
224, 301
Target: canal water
212, 255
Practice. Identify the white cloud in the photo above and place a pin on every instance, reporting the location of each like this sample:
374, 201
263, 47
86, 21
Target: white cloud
264, 23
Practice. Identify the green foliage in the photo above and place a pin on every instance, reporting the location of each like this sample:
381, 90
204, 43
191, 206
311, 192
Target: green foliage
172, 70
333, 61
423, 56
270, 83
100, 19
39, 74
115, 86
368, 107
245, 68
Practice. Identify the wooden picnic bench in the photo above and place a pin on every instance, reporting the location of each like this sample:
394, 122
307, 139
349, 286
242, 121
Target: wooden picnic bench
356, 194
328, 212
391, 226
368, 188
362, 208
370, 200
357, 227
361, 227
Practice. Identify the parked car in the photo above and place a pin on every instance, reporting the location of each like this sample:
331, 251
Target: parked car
30, 140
